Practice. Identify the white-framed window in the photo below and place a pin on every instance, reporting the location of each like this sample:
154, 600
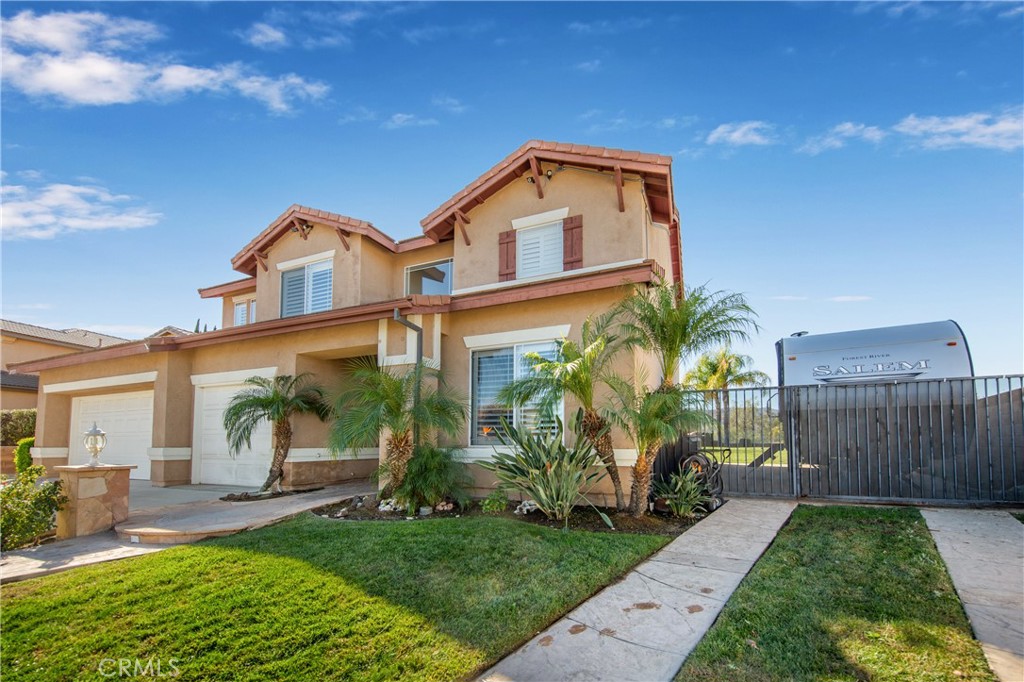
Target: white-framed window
307, 289
539, 250
245, 311
491, 370
431, 279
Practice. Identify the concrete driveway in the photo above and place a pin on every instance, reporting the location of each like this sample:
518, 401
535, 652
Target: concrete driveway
145, 495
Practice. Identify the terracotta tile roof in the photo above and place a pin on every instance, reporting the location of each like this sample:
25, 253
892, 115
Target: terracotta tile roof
80, 338
19, 381
244, 260
538, 148
170, 330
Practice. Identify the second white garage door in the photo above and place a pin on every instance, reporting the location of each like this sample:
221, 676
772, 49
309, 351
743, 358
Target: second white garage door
211, 462
127, 418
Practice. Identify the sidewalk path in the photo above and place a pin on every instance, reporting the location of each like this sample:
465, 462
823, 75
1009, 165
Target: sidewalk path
644, 626
984, 552
151, 530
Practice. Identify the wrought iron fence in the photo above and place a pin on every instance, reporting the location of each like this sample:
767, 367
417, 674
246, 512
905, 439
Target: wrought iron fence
954, 440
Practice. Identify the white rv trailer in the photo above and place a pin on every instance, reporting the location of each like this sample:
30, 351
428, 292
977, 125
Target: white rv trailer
911, 352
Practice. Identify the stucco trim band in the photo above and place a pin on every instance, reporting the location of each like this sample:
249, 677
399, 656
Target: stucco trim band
235, 377
509, 338
101, 382
48, 453
169, 454
324, 455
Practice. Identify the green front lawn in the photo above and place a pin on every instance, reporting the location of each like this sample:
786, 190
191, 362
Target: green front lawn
315, 599
843, 593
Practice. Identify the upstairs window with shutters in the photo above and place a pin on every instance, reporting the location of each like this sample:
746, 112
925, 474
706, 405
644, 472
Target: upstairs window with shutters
542, 244
307, 289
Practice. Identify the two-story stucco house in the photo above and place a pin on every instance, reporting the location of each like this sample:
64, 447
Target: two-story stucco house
511, 263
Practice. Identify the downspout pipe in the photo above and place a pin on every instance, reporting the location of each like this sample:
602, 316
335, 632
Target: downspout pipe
419, 371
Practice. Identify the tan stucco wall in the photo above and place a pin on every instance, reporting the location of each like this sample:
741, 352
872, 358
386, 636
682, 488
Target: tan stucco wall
608, 236
602, 494
14, 350
228, 308
376, 282
290, 246
17, 400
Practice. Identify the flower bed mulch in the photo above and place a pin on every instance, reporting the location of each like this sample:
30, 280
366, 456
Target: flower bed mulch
583, 518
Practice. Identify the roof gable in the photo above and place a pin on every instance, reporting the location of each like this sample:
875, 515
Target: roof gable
656, 170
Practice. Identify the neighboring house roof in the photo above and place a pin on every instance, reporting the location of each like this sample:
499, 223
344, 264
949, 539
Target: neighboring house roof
74, 338
169, 331
19, 382
298, 218
654, 168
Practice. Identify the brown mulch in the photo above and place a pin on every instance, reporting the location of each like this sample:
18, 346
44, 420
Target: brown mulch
257, 496
583, 518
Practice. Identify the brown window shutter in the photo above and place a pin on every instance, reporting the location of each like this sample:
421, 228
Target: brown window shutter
507, 256
572, 242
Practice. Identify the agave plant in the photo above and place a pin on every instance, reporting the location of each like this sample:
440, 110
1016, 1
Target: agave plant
542, 467
683, 493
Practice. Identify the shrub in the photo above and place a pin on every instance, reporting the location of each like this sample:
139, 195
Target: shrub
683, 493
23, 454
433, 475
548, 472
496, 502
15, 425
27, 508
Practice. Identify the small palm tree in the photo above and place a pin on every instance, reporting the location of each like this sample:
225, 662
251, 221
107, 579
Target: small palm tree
576, 370
649, 419
374, 400
716, 372
676, 323
274, 400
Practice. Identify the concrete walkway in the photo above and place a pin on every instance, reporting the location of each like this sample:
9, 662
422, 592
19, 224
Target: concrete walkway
984, 553
163, 527
145, 495
644, 627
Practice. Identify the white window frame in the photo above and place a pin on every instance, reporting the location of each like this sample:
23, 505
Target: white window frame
517, 355
423, 266
307, 281
540, 231
250, 309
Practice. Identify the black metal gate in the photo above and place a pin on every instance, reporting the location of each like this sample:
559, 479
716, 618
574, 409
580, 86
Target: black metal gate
950, 440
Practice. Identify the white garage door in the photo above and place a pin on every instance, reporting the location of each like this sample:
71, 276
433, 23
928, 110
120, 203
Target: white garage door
127, 419
211, 462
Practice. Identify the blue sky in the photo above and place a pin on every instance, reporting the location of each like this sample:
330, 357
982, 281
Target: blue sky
845, 165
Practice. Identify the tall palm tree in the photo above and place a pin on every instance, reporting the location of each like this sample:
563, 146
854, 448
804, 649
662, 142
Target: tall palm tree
715, 373
274, 400
676, 323
576, 370
374, 400
649, 419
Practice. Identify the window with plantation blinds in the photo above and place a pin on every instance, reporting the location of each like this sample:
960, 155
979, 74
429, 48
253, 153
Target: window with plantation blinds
539, 250
307, 289
492, 370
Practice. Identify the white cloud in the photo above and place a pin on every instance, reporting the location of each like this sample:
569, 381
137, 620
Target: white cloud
787, 297
407, 121
360, 114
264, 36
74, 57
426, 34
1012, 12
837, 137
449, 104
47, 211
1001, 131
34, 306
588, 66
743, 133
849, 299
603, 28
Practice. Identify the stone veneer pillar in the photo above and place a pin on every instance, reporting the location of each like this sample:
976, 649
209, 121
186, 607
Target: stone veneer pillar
97, 499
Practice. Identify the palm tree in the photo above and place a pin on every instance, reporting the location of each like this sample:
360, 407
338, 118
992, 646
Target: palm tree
576, 370
374, 400
676, 323
274, 400
716, 372
649, 419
